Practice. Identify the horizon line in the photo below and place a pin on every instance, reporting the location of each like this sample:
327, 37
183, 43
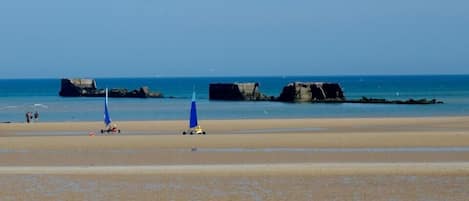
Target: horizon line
235, 76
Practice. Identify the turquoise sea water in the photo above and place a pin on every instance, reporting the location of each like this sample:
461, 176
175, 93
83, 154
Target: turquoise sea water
21, 95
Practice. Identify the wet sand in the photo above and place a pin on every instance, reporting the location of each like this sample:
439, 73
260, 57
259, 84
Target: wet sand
282, 159
249, 126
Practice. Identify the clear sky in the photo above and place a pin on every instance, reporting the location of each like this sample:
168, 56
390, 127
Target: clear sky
146, 38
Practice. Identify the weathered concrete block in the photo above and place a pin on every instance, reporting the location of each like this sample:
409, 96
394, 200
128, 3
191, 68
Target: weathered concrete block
87, 88
76, 87
311, 92
236, 91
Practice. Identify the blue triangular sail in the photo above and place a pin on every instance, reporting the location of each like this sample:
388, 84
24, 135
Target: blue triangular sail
193, 118
107, 118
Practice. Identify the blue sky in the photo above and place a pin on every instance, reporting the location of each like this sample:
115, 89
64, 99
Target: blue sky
145, 38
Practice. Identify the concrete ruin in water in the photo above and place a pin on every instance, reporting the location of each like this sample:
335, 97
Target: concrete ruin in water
313, 92
87, 88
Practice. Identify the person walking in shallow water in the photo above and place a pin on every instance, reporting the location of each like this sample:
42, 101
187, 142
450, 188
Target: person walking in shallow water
28, 117
36, 116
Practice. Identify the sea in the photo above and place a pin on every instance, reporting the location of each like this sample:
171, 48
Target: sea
18, 96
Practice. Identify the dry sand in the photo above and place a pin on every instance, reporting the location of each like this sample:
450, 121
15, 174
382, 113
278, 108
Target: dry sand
240, 187
281, 159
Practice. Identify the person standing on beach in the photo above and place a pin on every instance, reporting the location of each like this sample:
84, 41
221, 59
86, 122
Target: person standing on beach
36, 116
28, 117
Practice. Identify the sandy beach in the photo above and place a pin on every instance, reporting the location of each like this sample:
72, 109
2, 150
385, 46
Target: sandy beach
278, 159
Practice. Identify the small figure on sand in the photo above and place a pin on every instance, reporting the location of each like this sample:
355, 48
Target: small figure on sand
36, 116
29, 117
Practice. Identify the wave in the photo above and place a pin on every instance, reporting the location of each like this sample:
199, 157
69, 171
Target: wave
38, 105
9, 107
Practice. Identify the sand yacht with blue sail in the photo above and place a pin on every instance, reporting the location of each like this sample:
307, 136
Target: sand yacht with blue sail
194, 127
109, 126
